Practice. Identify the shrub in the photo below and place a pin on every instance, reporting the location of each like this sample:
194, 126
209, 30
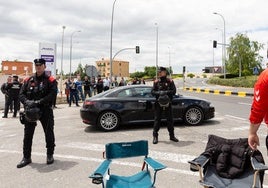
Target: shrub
247, 82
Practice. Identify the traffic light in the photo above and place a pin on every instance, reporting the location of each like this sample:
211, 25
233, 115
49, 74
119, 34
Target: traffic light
137, 49
214, 44
183, 69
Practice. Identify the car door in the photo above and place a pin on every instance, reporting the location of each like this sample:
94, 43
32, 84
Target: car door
128, 103
145, 104
178, 107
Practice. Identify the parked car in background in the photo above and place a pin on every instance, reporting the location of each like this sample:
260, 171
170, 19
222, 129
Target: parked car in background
135, 104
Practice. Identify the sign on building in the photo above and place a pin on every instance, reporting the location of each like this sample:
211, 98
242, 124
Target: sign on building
48, 52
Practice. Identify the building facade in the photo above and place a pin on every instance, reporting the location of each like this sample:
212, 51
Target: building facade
21, 68
120, 68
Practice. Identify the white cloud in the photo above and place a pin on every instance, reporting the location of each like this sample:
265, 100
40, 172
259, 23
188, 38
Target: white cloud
187, 28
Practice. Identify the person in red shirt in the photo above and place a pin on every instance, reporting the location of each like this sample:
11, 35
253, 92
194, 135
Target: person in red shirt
259, 109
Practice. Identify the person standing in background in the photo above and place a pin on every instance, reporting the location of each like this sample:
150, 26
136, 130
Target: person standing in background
67, 89
13, 90
93, 89
79, 84
4, 91
73, 92
87, 89
99, 85
106, 84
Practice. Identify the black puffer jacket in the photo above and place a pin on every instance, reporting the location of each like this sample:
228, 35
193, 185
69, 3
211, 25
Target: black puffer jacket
230, 156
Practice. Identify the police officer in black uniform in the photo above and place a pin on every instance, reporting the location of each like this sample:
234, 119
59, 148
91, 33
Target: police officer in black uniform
38, 91
12, 92
163, 89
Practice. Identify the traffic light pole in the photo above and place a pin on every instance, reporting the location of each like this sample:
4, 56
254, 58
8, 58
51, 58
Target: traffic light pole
121, 51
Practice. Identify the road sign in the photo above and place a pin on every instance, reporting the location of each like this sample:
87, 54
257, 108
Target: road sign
91, 71
255, 71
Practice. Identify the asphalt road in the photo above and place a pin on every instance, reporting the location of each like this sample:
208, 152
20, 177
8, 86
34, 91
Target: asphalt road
79, 147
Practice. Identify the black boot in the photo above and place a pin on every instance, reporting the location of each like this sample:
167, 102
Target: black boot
155, 140
50, 159
174, 139
24, 162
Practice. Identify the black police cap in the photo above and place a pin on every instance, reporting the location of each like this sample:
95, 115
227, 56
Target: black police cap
162, 69
39, 61
15, 76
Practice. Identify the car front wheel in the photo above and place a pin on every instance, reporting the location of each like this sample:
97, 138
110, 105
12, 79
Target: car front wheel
108, 121
193, 116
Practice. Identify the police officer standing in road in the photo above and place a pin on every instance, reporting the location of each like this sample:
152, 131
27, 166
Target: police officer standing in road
37, 94
163, 89
13, 90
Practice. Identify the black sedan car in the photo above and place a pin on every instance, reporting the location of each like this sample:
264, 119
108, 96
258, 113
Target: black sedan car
135, 104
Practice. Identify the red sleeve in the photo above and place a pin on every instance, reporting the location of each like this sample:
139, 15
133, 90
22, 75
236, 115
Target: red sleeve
259, 108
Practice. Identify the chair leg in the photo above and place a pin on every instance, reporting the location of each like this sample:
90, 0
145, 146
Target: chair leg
256, 173
200, 173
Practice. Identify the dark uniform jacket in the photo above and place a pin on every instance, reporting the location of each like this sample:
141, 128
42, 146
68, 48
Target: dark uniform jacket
164, 84
13, 89
42, 88
87, 85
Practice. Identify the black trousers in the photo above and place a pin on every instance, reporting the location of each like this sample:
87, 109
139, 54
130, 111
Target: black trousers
47, 121
11, 101
87, 92
167, 112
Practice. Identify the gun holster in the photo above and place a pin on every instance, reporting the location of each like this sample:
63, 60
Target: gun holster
22, 118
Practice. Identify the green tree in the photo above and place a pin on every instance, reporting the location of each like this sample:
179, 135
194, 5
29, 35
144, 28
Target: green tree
244, 51
80, 70
137, 74
150, 71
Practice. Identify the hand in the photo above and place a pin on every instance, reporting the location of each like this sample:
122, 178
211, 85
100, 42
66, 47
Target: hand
30, 103
253, 141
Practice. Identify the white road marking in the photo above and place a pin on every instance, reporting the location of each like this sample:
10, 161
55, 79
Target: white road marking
138, 165
235, 117
179, 158
243, 103
166, 156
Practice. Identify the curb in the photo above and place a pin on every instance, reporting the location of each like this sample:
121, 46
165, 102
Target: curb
217, 92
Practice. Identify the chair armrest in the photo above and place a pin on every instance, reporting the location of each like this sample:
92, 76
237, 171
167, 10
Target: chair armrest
101, 170
257, 165
154, 164
199, 161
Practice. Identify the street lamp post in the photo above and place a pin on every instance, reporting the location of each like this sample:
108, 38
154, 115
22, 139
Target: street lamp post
71, 46
224, 43
63, 27
111, 44
169, 62
156, 58
222, 54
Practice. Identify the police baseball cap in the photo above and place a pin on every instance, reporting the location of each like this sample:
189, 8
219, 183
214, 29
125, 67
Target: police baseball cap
162, 69
39, 61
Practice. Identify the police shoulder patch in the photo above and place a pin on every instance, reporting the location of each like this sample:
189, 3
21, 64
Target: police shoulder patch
51, 79
26, 79
169, 80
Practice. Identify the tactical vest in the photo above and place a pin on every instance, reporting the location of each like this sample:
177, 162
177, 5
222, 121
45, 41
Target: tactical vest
37, 88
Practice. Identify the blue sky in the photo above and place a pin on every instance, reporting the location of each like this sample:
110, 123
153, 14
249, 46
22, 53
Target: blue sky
186, 30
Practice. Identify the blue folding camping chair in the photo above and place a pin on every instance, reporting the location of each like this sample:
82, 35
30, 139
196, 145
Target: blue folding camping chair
141, 179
